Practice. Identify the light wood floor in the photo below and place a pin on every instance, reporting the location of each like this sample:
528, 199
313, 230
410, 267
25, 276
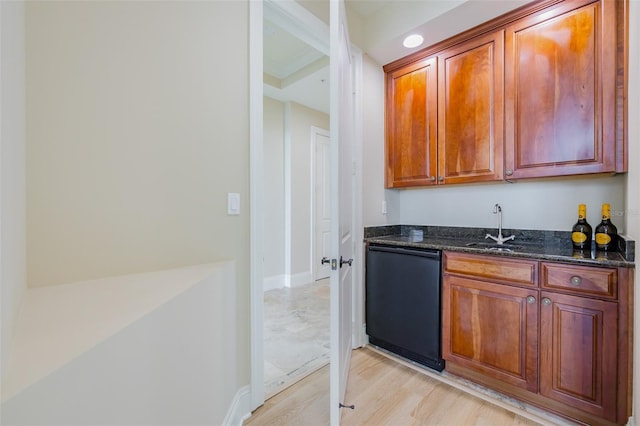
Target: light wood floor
384, 392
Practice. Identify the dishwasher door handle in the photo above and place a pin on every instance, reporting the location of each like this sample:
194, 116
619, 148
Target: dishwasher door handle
433, 254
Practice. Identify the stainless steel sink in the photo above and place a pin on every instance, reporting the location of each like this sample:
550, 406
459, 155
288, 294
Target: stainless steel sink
494, 246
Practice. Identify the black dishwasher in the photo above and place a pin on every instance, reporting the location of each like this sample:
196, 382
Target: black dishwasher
403, 299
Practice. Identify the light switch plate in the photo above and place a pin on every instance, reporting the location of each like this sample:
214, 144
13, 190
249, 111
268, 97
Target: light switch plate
233, 203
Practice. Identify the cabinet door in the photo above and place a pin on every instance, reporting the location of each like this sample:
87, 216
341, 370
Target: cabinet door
411, 125
470, 108
492, 329
578, 344
560, 91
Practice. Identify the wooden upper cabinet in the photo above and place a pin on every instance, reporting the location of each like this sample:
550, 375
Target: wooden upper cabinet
537, 92
470, 110
411, 125
561, 91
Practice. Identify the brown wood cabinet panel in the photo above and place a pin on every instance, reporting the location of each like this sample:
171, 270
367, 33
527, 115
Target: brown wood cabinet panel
470, 110
492, 329
411, 125
582, 280
506, 270
578, 359
560, 91
568, 353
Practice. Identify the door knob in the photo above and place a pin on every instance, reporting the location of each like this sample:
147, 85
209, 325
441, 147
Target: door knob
342, 262
546, 301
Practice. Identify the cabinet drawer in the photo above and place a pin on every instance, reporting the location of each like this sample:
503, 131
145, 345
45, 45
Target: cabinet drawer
506, 270
580, 279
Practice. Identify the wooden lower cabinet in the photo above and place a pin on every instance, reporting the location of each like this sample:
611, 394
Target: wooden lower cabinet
492, 328
579, 357
566, 350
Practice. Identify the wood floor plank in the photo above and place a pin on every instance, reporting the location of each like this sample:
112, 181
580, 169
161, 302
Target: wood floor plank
385, 393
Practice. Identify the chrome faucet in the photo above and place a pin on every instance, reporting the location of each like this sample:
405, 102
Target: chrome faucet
499, 239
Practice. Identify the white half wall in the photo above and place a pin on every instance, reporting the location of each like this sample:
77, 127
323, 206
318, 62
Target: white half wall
174, 365
12, 170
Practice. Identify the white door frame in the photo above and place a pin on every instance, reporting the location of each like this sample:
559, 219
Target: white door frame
256, 209
359, 334
306, 23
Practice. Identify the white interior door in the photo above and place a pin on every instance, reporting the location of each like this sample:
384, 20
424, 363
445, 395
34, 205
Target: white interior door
322, 191
342, 172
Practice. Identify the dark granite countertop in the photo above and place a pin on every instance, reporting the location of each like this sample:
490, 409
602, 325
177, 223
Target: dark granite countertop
530, 244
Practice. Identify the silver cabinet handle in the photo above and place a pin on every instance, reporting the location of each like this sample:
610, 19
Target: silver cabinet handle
508, 172
575, 280
531, 300
440, 178
546, 301
432, 178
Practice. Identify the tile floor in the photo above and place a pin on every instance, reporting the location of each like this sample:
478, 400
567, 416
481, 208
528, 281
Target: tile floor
296, 334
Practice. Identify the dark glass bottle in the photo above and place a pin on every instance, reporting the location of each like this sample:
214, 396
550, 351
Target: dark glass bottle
606, 232
581, 232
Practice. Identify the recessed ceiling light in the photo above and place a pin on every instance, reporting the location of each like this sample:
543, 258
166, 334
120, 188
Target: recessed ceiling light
414, 40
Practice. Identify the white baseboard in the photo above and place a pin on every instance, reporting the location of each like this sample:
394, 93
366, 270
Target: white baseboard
239, 409
274, 282
302, 278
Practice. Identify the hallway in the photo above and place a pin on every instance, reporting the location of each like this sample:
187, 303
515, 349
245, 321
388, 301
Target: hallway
296, 333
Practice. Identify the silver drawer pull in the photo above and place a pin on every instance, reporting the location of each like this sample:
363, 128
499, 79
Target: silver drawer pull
546, 301
575, 280
531, 300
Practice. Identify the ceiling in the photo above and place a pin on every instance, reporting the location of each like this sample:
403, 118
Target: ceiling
296, 64
294, 70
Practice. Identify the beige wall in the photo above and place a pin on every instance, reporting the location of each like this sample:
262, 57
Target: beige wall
273, 137
373, 144
12, 170
287, 152
538, 204
301, 120
137, 128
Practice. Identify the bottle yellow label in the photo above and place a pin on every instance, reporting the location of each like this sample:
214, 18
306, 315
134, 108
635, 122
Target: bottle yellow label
578, 237
603, 239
